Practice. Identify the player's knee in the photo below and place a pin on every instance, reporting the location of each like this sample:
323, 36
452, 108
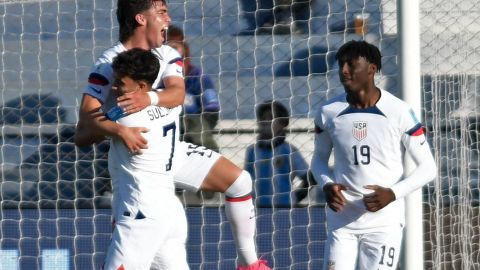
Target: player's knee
241, 187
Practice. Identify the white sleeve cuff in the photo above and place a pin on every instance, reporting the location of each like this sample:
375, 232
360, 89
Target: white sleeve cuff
153, 98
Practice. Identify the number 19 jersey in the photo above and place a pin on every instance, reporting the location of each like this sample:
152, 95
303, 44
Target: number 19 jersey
368, 147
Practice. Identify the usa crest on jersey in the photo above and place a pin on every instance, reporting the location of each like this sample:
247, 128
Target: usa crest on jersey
359, 130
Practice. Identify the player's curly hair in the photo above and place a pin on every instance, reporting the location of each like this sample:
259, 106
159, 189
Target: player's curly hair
277, 109
138, 64
126, 12
355, 49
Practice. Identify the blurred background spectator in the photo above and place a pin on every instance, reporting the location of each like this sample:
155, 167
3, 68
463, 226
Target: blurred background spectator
275, 16
278, 169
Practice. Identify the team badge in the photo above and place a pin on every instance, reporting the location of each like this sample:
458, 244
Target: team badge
359, 130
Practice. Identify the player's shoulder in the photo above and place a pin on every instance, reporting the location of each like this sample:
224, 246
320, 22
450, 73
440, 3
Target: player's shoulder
392, 105
110, 53
166, 53
332, 106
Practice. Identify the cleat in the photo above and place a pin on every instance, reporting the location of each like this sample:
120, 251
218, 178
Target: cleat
258, 265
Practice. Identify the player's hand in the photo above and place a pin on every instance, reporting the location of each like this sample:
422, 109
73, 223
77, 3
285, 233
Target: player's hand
133, 139
133, 102
378, 199
334, 197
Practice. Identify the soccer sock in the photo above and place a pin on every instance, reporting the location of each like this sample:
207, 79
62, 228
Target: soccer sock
241, 215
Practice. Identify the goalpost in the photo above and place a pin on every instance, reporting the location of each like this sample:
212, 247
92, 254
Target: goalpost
55, 211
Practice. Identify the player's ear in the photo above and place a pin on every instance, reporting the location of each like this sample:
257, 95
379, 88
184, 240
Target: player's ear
372, 69
140, 18
143, 86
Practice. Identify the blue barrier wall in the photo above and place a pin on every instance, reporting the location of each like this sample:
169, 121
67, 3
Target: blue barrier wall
64, 239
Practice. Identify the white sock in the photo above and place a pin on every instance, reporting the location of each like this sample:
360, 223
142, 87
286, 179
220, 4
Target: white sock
241, 214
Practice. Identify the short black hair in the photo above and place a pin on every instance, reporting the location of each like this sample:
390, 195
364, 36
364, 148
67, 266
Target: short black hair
138, 64
277, 109
126, 12
355, 49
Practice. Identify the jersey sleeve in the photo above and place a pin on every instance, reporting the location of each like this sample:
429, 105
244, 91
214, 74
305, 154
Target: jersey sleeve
416, 145
174, 67
171, 63
323, 148
99, 83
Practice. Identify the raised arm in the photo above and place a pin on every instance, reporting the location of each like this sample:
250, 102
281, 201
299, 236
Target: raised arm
170, 85
171, 96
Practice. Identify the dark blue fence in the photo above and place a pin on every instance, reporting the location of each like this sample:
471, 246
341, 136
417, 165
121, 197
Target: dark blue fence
78, 238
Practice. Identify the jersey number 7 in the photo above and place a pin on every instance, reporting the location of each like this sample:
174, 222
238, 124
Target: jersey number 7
167, 128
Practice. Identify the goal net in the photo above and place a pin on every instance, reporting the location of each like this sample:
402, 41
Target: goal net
55, 198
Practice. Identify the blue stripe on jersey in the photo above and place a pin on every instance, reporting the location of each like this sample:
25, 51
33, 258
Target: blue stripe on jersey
414, 117
350, 109
178, 59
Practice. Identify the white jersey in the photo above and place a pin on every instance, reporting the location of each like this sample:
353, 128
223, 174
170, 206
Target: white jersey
369, 146
137, 180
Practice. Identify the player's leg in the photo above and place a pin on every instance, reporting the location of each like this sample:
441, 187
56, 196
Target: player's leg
172, 254
133, 244
341, 249
381, 250
199, 168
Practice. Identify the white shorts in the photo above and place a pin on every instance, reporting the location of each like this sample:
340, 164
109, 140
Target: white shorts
191, 164
136, 241
346, 250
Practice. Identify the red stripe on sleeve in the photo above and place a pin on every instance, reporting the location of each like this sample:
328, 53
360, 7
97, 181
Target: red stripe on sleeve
241, 199
419, 132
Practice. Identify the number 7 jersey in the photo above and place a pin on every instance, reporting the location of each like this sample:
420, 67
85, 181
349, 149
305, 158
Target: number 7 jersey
369, 146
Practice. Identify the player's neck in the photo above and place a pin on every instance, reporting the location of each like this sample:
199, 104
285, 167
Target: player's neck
364, 98
136, 41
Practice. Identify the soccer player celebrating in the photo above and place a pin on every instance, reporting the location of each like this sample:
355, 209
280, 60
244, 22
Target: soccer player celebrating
369, 131
149, 218
142, 24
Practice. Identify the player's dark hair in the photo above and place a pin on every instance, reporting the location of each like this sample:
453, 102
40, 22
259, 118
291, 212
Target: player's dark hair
355, 49
277, 109
138, 64
126, 12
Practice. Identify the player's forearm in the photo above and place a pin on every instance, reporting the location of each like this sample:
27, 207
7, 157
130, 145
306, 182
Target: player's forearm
320, 170
171, 97
83, 136
92, 124
91, 131
173, 94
